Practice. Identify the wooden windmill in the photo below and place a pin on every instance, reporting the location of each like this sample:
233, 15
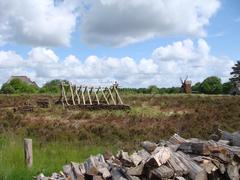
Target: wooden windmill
186, 85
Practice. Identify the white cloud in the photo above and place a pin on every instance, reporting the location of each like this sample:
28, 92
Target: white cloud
117, 23
37, 22
164, 67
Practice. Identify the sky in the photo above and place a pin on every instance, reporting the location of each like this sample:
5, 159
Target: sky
135, 42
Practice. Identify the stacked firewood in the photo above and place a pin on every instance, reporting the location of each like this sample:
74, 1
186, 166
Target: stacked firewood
177, 158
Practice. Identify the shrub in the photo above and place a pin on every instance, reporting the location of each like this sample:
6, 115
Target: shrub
227, 87
211, 85
17, 86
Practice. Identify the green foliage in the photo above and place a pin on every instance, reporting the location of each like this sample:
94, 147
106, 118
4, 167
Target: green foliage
17, 86
227, 87
52, 87
153, 89
196, 87
235, 73
211, 85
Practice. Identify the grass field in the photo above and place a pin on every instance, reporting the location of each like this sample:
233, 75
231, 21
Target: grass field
61, 136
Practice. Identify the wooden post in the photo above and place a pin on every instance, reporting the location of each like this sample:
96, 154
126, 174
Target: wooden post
89, 97
28, 152
71, 90
76, 92
104, 96
64, 94
115, 88
109, 90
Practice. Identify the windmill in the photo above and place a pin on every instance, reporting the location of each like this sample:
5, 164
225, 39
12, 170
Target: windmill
186, 86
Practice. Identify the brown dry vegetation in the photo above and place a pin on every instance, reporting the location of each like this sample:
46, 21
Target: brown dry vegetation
151, 117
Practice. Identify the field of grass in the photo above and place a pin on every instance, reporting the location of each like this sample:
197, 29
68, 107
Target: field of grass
62, 136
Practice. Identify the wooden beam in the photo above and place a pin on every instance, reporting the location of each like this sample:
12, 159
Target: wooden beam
83, 92
96, 96
104, 96
76, 92
119, 98
114, 102
89, 97
28, 152
71, 90
64, 94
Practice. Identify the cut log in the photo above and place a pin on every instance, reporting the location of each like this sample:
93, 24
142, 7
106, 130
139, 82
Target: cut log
195, 171
233, 171
194, 148
176, 139
159, 156
77, 173
234, 138
136, 171
148, 146
117, 174
67, 169
162, 172
175, 165
136, 159
125, 159
143, 154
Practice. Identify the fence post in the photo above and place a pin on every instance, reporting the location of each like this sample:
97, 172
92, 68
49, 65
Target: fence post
28, 152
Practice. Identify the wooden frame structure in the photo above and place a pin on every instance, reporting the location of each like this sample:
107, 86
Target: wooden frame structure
89, 97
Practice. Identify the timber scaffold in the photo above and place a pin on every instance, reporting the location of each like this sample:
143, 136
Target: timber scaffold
90, 97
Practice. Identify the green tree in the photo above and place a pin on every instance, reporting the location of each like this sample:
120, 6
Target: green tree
227, 87
17, 86
211, 85
196, 87
153, 89
52, 86
235, 73
7, 89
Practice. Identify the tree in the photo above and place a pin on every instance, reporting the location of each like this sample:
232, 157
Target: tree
235, 73
196, 87
53, 86
211, 85
227, 87
17, 86
153, 89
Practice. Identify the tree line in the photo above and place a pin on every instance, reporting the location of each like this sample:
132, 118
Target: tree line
210, 85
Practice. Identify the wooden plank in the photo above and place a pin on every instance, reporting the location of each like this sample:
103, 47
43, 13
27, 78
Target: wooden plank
77, 173
28, 152
162, 172
109, 90
76, 92
148, 146
89, 97
103, 93
234, 138
96, 96
64, 95
83, 97
195, 171
71, 90
119, 98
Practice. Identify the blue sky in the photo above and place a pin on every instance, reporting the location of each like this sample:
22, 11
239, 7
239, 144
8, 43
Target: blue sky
137, 43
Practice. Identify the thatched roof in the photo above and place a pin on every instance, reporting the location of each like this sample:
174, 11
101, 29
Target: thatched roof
24, 79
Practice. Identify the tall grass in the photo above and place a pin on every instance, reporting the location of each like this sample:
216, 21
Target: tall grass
48, 157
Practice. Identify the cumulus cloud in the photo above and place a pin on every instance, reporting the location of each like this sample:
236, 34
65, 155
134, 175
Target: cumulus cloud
117, 23
163, 67
35, 22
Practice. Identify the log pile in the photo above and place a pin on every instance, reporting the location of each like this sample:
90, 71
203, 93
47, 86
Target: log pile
177, 158
43, 103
